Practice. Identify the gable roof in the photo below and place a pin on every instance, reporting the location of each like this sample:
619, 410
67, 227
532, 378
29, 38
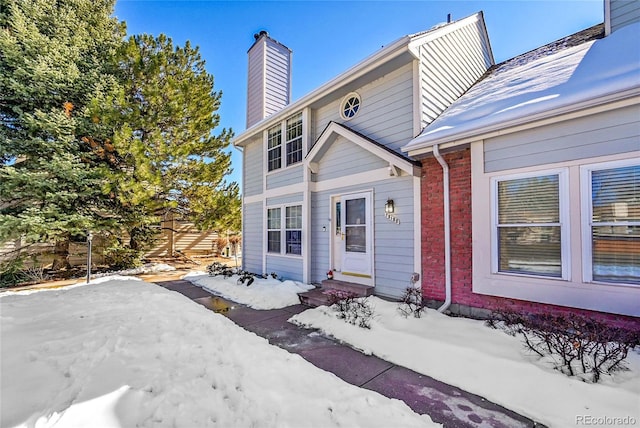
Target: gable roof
402, 49
335, 129
574, 73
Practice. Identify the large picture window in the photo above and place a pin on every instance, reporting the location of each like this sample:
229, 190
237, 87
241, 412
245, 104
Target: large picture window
294, 140
614, 224
528, 228
284, 233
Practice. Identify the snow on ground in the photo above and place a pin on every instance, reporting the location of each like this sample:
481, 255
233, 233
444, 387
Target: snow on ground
261, 294
481, 360
121, 352
146, 268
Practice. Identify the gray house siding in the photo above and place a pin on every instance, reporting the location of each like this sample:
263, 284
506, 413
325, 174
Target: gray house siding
285, 267
277, 87
287, 199
252, 237
253, 161
443, 77
624, 12
284, 177
386, 113
393, 243
255, 82
602, 134
345, 158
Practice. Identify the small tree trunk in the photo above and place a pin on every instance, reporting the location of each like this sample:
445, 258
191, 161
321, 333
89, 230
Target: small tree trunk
134, 242
61, 255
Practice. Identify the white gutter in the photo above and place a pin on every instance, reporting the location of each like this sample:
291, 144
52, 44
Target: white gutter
447, 230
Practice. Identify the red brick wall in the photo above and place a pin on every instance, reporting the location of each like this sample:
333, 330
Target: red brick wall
433, 270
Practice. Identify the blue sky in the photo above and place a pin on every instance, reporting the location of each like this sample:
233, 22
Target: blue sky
328, 37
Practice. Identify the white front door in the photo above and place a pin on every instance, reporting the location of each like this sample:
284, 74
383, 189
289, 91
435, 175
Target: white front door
353, 240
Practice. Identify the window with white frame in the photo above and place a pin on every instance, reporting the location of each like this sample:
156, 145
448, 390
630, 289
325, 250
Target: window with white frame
528, 228
291, 149
289, 242
293, 230
612, 229
274, 148
274, 225
294, 140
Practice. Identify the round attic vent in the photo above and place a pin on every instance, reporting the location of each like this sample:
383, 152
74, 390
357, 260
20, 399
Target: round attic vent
350, 106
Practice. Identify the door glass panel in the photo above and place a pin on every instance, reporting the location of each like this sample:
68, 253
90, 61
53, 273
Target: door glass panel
338, 219
356, 239
355, 211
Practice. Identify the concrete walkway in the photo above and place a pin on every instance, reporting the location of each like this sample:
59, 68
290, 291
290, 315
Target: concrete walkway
446, 404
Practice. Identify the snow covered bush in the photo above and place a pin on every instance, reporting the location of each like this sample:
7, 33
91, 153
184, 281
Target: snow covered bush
351, 308
411, 303
244, 277
577, 346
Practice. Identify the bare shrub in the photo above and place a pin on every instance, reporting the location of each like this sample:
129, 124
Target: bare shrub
579, 346
411, 303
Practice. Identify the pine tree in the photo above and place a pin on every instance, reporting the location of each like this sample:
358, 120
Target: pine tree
170, 159
55, 59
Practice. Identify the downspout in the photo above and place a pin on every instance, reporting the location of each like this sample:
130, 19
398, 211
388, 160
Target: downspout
447, 230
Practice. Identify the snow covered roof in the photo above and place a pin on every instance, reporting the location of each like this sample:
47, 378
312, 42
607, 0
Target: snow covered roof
580, 71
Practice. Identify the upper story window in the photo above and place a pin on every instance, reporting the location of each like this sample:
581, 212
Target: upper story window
292, 130
274, 148
350, 106
528, 231
613, 229
294, 140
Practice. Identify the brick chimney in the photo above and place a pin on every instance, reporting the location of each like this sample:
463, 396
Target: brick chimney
269, 80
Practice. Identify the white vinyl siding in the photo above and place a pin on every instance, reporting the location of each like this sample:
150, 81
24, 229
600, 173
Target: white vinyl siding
284, 177
269, 77
252, 163
287, 268
255, 86
624, 12
277, 78
386, 110
611, 222
345, 158
443, 77
603, 134
252, 237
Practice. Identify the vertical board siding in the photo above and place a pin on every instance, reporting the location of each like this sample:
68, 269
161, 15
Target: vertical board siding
253, 166
345, 158
393, 243
607, 133
288, 199
443, 76
255, 83
385, 114
624, 12
284, 177
287, 268
252, 237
